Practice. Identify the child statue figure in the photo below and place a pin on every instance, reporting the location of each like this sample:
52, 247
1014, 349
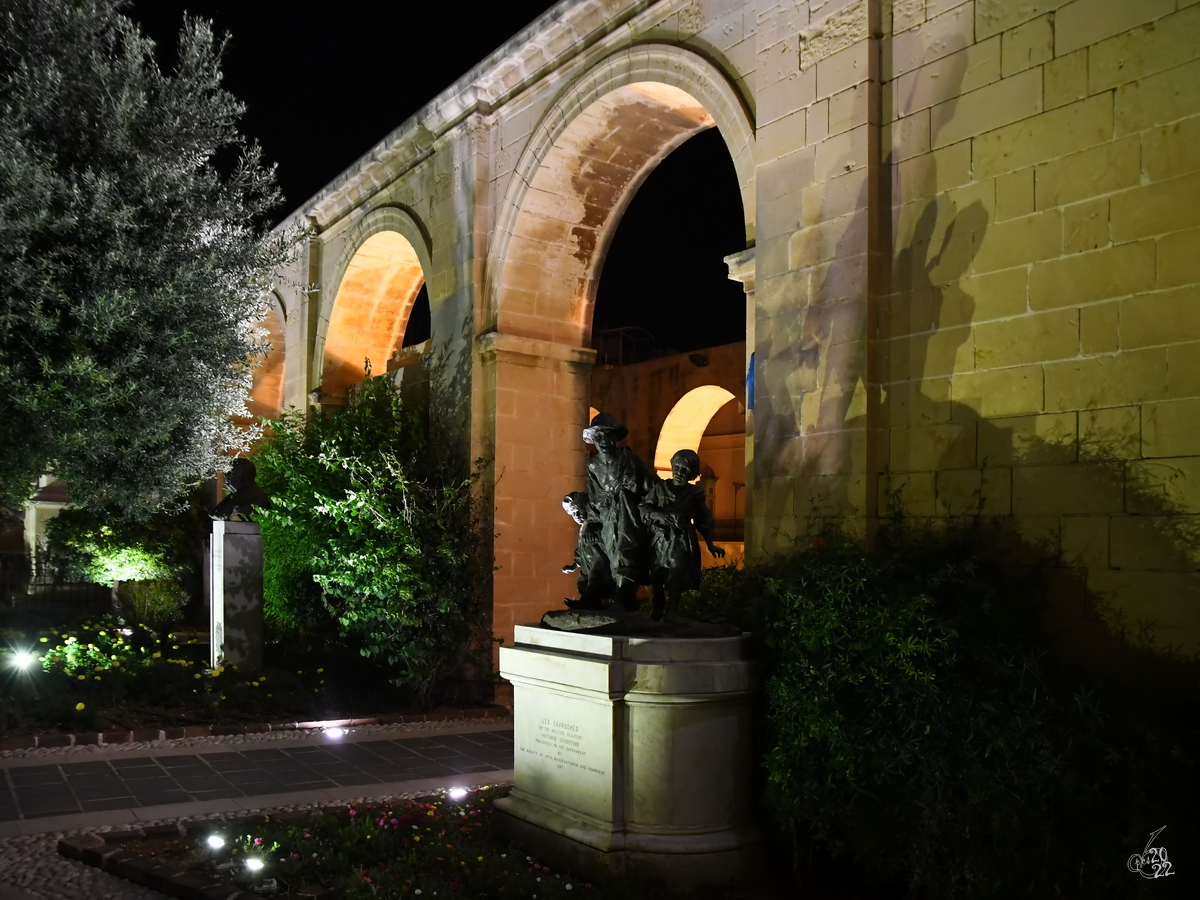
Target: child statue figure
594, 581
674, 511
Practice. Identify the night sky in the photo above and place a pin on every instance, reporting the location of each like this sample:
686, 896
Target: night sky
324, 83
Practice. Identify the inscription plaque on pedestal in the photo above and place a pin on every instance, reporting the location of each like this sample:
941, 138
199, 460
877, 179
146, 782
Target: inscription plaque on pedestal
633, 754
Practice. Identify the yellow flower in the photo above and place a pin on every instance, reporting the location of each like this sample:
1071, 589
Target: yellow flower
157, 654
96, 677
44, 640
481, 859
319, 671
81, 677
197, 675
255, 683
78, 707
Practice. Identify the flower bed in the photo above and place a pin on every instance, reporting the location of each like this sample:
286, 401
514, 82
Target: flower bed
441, 847
437, 847
105, 676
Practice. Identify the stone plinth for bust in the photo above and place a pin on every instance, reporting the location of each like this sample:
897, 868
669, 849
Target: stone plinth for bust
633, 755
234, 580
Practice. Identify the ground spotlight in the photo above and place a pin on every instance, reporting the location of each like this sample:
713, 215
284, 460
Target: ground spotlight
254, 865
456, 793
216, 841
334, 731
23, 660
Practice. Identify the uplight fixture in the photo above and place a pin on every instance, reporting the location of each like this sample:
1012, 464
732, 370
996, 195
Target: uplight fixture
334, 731
216, 841
456, 793
254, 865
22, 659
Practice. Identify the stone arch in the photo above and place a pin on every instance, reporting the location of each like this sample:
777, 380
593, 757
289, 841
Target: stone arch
584, 162
579, 171
381, 271
686, 422
266, 391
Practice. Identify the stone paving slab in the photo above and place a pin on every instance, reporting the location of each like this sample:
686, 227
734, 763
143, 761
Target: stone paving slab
44, 795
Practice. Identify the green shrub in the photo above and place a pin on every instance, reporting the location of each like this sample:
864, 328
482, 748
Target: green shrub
383, 522
101, 546
918, 722
158, 603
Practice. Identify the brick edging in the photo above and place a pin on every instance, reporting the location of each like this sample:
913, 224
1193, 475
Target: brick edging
104, 852
29, 742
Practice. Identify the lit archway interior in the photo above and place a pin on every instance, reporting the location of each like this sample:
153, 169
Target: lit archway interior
266, 392
545, 288
686, 422
371, 310
568, 214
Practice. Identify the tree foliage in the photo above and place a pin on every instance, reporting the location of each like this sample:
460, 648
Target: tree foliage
132, 265
379, 525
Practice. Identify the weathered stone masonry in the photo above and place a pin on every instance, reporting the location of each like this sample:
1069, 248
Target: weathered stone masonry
972, 270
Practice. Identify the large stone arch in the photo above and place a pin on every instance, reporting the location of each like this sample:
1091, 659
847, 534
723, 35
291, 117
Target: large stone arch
584, 162
591, 151
385, 262
266, 391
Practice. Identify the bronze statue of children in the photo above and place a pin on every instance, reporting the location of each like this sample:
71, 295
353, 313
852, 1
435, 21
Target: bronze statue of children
618, 480
594, 581
674, 511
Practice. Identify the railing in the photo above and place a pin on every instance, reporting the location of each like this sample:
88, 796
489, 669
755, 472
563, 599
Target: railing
728, 530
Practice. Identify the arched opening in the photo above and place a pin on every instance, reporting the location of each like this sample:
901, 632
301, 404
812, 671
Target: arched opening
266, 391
574, 181
687, 422
711, 421
371, 310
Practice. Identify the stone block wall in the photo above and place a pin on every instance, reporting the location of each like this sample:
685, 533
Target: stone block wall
1040, 326
971, 275
979, 288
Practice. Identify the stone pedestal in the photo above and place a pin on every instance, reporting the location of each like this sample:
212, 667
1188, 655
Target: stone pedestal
234, 578
633, 755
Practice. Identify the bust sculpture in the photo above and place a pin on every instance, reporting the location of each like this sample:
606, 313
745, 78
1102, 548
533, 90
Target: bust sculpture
246, 493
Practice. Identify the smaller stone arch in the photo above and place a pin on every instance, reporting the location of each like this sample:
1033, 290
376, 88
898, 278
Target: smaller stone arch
686, 422
267, 387
381, 271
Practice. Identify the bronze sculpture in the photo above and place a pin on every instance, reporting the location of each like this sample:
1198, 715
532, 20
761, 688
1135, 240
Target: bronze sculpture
618, 480
594, 581
674, 511
635, 528
246, 493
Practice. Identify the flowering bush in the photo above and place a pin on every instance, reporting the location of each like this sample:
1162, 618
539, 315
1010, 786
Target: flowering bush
71, 678
374, 537
440, 848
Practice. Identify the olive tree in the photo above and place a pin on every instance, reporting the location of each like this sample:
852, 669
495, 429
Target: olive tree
133, 257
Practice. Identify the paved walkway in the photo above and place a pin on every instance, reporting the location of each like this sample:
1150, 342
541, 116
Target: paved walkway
98, 788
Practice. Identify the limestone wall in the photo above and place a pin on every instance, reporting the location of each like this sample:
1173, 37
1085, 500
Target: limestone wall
1003, 316
971, 271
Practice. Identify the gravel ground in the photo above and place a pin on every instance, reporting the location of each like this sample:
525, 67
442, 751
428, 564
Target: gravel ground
32, 864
